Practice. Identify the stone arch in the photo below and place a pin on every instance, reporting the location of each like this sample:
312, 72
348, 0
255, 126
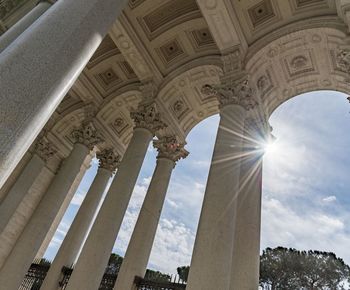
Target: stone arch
113, 119
182, 101
299, 62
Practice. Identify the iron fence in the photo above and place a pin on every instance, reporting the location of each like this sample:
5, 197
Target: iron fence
145, 284
35, 276
38, 270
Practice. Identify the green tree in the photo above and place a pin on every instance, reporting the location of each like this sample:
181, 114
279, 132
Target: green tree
289, 269
157, 276
114, 263
183, 272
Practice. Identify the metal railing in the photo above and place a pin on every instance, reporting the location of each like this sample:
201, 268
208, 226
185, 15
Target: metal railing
152, 281
145, 284
35, 275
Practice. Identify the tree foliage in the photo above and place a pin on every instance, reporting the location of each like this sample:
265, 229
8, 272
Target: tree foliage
289, 269
115, 262
183, 272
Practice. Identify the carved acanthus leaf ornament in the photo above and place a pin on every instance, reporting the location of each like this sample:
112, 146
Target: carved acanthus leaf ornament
169, 147
148, 117
45, 149
108, 159
343, 59
235, 93
87, 135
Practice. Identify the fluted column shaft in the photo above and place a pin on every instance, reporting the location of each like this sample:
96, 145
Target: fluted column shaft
246, 246
26, 247
22, 185
43, 151
212, 254
141, 242
16, 30
65, 204
99, 244
77, 232
42, 65
211, 260
246, 249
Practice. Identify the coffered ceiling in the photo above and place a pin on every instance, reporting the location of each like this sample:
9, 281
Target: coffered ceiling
288, 47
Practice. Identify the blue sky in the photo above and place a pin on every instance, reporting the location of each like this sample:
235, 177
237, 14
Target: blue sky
306, 185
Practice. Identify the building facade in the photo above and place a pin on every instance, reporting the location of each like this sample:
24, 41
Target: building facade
106, 78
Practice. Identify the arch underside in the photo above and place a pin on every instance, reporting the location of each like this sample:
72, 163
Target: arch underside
181, 53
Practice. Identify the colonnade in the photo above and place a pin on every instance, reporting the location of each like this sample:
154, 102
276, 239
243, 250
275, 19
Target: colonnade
226, 250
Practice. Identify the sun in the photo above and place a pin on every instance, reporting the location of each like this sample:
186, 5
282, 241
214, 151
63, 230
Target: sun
272, 148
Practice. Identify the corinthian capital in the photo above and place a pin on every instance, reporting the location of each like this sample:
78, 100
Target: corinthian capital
169, 147
45, 149
108, 159
235, 93
148, 117
87, 135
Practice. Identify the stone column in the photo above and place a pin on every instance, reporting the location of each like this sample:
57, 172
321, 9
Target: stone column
42, 65
43, 151
99, 244
16, 30
74, 239
67, 200
28, 244
140, 246
211, 260
246, 246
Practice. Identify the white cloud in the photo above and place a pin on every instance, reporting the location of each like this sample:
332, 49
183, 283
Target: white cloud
172, 247
172, 203
310, 229
329, 199
63, 228
78, 198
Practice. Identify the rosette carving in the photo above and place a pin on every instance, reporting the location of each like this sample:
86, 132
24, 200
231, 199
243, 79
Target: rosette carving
236, 93
169, 147
87, 135
108, 159
45, 149
343, 59
148, 117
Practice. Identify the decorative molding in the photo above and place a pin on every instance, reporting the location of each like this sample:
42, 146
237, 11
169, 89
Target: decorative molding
169, 147
131, 52
108, 79
223, 24
171, 51
180, 108
232, 65
45, 149
106, 50
168, 16
148, 117
201, 39
87, 135
7, 7
119, 126
134, 3
149, 92
261, 13
237, 93
343, 60
264, 83
108, 159
300, 64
